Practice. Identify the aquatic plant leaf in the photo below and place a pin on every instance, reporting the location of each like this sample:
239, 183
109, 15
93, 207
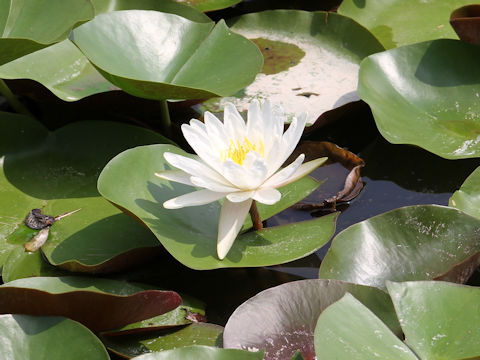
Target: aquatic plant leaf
25, 337
419, 242
189, 311
397, 23
466, 23
440, 320
194, 334
99, 304
347, 329
202, 352
312, 69
57, 172
168, 57
166, 6
190, 233
209, 5
27, 26
467, 198
412, 104
283, 319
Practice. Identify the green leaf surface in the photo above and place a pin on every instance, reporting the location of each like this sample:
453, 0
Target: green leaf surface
57, 172
25, 337
190, 233
168, 56
311, 60
99, 304
22, 264
194, 334
440, 320
166, 6
62, 69
427, 95
399, 22
203, 353
209, 5
282, 319
467, 198
347, 329
419, 242
26, 26
181, 315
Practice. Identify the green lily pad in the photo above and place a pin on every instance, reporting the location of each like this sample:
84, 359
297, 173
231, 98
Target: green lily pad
168, 56
396, 23
209, 5
22, 264
202, 352
166, 6
427, 95
194, 334
190, 234
189, 311
347, 329
25, 337
27, 26
62, 69
420, 242
99, 304
311, 61
440, 320
282, 319
467, 198
58, 171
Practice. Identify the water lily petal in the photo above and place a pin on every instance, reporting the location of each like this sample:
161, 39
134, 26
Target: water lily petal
194, 167
240, 196
235, 126
201, 144
176, 175
231, 221
303, 170
268, 196
211, 185
248, 176
255, 122
199, 197
215, 130
198, 125
285, 173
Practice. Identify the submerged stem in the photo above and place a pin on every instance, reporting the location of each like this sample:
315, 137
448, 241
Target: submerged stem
12, 100
165, 123
257, 222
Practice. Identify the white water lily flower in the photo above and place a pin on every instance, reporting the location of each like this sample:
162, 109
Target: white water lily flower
239, 161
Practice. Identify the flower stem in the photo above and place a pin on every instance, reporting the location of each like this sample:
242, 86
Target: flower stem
165, 123
257, 222
12, 100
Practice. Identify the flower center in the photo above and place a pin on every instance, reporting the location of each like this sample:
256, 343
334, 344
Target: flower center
237, 150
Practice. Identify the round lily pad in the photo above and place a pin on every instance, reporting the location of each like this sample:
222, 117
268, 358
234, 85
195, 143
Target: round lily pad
25, 337
190, 233
202, 352
427, 95
347, 329
440, 320
420, 242
99, 304
27, 26
168, 56
467, 198
194, 334
311, 60
57, 172
396, 22
283, 319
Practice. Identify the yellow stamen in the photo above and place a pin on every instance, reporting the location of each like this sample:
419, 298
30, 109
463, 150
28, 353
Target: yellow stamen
237, 151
